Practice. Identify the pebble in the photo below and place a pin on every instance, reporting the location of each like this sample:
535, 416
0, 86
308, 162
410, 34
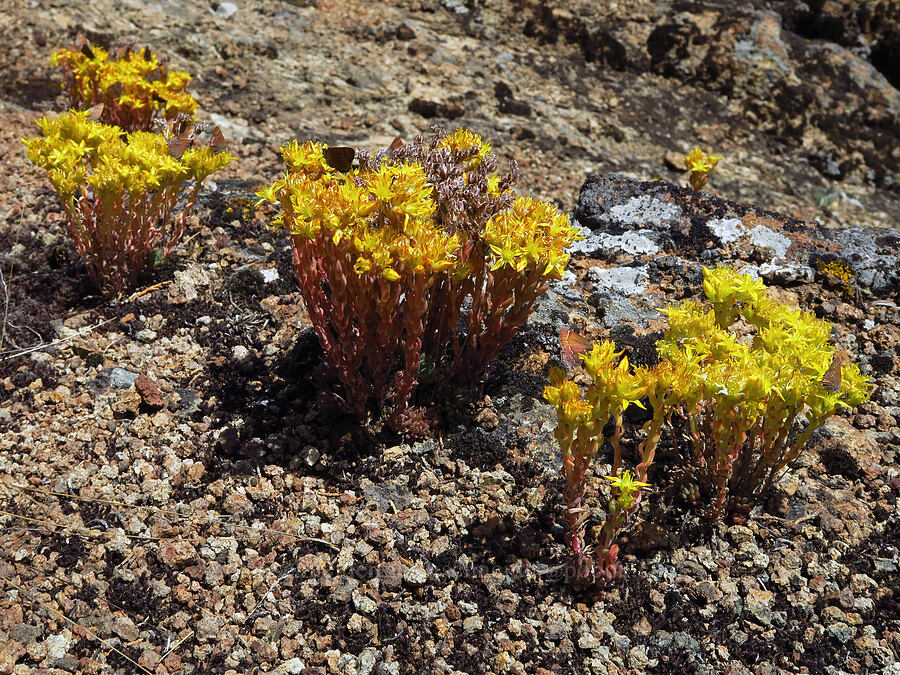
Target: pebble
841, 632
293, 666
119, 378
390, 575
226, 10
208, 628
58, 645
740, 534
588, 641
637, 658
145, 335
415, 575
472, 623
758, 603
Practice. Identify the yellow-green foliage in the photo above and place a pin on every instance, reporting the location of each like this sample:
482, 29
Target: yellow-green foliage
131, 86
118, 190
438, 226
753, 366
587, 420
700, 166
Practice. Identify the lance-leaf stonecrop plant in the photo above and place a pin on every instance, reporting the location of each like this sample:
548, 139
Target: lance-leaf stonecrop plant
590, 422
700, 166
423, 253
736, 376
753, 369
129, 88
120, 192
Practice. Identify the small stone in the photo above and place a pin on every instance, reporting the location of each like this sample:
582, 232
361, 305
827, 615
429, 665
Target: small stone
240, 353
390, 575
472, 623
643, 627
125, 629
841, 632
588, 641
833, 614
145, 335
740, 534
226, 10
708, 592
674, 161
119, 378
363, 603
177, 554
293, 666
149, 391
441, 626
406, 32
237, 503
214, 575
207, 629
310, 456
534, 497
367, 660
58, 645
637, 658
759, 605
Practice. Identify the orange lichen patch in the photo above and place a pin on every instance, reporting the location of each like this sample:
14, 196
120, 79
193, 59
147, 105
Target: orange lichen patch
754, 219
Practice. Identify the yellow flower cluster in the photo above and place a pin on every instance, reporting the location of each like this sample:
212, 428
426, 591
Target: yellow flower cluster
700, 166
627, 489
386, 215
614, 387
781, 368
120, 191
383, 216
529, 234
78, 152
466, 139
135, 81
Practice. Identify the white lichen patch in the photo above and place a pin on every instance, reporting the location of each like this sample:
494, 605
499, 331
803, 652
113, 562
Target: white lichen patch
765, 237
624, 280
727, 229
643, 210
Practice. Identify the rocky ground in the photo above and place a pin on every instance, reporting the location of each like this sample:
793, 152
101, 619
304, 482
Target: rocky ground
174, 501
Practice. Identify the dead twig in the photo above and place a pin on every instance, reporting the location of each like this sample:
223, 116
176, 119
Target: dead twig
171, 649
75, 624
87, 531
5, 305
138, 294
266, 594
183, 518
13, 353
